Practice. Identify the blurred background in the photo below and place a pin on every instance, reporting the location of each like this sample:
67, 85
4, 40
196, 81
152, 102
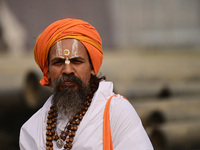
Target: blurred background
151, 53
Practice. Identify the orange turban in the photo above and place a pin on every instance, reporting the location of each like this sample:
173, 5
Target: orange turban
63, 29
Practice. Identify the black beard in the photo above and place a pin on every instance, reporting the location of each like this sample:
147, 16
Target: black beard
67, 99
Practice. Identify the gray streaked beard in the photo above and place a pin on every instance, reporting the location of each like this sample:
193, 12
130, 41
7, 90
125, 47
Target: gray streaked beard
68, 100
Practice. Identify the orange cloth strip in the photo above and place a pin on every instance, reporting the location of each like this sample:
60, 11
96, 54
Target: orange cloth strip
107, 137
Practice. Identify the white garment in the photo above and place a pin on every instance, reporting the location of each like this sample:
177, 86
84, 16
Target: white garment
126, 127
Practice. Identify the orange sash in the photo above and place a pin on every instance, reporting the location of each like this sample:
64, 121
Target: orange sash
107, 137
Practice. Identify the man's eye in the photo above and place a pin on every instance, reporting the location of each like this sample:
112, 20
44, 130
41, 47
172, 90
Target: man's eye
59, 62
76, 61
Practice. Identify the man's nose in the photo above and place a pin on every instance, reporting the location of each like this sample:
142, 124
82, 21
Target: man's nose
67, 69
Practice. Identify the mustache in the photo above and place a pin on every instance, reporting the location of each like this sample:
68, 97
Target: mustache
58, 83
69, 78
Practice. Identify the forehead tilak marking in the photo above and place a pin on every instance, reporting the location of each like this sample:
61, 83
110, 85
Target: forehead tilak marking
75, 48
58, 49
66, 53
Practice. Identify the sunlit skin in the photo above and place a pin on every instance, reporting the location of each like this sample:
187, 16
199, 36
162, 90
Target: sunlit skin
79, 65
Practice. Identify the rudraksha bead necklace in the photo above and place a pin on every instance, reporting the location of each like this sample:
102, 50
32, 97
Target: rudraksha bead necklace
67, 135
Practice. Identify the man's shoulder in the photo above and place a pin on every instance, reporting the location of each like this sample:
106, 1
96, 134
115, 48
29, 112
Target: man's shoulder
118, 99
33, 128
121, 104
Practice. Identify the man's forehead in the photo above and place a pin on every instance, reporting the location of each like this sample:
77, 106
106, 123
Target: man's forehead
68, 49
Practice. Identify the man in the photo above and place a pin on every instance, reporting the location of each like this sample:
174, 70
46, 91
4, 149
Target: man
83, 113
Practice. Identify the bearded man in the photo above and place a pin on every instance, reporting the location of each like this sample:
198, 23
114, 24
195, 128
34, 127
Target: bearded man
83, 113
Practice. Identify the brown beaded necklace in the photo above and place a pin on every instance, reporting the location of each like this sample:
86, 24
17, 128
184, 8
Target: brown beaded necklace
67, 135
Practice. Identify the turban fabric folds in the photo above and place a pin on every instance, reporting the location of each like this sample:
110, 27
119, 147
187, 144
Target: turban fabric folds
63, 29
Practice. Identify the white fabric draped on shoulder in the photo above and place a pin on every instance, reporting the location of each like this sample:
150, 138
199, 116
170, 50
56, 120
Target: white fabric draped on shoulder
126, 127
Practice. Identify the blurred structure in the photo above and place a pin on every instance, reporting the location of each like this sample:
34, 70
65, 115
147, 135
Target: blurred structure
151, 53
155, 23
13, 34
37, 15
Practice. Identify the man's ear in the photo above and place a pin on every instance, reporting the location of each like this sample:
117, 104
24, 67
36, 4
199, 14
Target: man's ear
92, 72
